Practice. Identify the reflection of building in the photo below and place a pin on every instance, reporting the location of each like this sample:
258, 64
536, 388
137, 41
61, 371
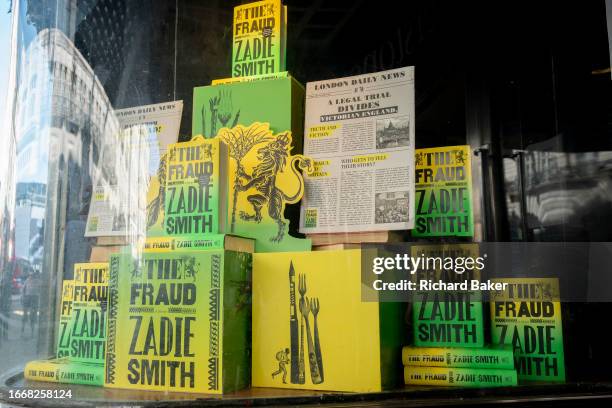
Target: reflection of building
66, 139
96, 27
29, 222
64, 128
564, 194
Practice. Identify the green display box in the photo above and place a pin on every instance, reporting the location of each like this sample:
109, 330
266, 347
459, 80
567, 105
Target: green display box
279, 102
273, 111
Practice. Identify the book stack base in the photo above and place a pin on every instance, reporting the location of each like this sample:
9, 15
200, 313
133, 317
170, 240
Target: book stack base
459, 367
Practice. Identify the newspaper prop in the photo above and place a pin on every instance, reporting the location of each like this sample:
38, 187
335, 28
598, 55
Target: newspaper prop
360, 132
118, 205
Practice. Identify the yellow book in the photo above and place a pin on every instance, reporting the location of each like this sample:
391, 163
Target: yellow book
88, 315
527, 315
443, 192
63, 370
179, 321
196, 187
63, 336
258, 38
486, 357
448, 318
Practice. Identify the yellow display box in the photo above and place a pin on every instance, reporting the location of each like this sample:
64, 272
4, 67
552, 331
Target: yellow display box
311, 329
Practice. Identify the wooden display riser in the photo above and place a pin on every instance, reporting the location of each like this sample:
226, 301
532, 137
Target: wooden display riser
541, 395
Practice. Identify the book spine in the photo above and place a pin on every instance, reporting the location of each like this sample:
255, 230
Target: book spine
458, 357
113, 292
459, 377
70, 373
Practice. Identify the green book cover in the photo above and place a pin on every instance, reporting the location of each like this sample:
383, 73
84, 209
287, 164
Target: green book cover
486, 357
443, 191
88, 316
195, 196
447, 318
178, 321
259, 34
262, 125
63, 370
63, 336
527, 315
459, 377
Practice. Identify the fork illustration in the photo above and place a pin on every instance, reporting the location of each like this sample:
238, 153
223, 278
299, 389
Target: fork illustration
301, 364
315, 374
315, 307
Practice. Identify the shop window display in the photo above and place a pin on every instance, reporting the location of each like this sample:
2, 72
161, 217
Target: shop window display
287, 202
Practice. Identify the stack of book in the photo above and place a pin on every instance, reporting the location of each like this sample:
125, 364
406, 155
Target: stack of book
459, 367
449, 346
82, 330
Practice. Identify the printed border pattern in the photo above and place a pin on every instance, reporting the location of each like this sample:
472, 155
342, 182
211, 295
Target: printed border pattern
214, 314
113, 285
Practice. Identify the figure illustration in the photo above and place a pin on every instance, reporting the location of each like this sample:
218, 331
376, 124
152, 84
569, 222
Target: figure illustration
136, 270
207, 152
189, 263
460, 157
283, 359
418, 159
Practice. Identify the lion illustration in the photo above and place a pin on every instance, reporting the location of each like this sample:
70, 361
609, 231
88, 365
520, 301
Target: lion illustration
272, 161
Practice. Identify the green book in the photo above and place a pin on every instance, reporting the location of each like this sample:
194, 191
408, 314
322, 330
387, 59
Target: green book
179, 321
527, 316
459, 377
63, 335
259, 38
443, 192
486, 357
195, 196
63, 370
198, 243
88, 316
452, 318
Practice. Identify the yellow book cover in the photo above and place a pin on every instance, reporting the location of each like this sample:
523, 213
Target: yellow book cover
63, 335
178, 321
88, 315
257, 38
195, 196
443, 192
311, 329
527, 315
